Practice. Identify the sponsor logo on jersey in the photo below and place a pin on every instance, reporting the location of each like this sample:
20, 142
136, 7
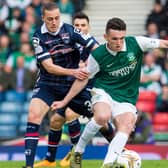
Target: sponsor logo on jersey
124, 71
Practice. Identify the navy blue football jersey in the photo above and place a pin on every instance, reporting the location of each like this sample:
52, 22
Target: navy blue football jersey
62, 48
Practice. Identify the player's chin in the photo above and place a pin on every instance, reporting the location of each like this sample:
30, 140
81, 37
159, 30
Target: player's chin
53, 29
118, 49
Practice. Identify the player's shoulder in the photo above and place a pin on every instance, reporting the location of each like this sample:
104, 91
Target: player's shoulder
37, 32
130, 38
67, 27
71, 29
100, 49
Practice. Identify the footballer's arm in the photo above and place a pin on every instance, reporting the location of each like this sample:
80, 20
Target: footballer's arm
76, 87
58, 70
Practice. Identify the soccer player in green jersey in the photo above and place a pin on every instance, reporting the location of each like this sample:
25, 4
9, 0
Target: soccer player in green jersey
116, 66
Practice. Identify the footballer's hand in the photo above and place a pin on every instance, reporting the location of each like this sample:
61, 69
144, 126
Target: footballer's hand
82, 64
81, 74
57, 105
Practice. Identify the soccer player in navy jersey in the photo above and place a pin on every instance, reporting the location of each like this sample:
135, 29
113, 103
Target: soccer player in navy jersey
80, 21
55, 49
55, 45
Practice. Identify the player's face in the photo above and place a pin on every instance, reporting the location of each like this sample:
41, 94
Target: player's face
115, 39
52, 19
82, 25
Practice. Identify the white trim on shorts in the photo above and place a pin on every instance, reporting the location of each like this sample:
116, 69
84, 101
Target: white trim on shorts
99, 95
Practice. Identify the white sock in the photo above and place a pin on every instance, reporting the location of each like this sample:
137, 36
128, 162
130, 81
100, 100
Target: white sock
115, 147
89, 132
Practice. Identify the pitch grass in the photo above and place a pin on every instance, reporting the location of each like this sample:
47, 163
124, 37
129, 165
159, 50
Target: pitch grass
91, 164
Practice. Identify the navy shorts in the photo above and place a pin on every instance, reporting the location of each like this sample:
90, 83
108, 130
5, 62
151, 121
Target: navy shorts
81, 104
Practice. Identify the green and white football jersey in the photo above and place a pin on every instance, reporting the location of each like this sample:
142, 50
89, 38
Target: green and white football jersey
119, 75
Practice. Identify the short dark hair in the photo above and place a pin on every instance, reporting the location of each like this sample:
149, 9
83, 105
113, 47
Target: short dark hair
115, 24
80, 15
49, 6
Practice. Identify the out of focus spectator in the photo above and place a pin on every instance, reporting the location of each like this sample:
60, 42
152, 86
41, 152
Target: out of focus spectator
4, 81
29, 21
66, 7
163, 2
152, 31
27, 53
36, 5
4, 48
21, 77
13, 26
21, 81
78, 5
150, 74
164, 77
24, 38
28, 28
67, 10
143, 133
159, 16
4, 13
160, 56
22, 4
162, 101
46, 1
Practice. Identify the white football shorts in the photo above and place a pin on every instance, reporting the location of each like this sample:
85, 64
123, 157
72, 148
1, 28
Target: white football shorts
99, 95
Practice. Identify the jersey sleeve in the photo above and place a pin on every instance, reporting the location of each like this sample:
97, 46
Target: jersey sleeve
83, 39
92, 66
146, 43
40, 50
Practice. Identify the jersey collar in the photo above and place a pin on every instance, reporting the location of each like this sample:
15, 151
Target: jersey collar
45, 30
114, 52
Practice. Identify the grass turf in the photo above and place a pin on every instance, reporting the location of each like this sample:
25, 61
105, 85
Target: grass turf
91, 164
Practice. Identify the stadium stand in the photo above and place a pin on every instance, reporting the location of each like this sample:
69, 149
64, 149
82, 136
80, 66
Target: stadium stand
147, 102
8, 125
160, 126
13, 96
10, 107
22, 123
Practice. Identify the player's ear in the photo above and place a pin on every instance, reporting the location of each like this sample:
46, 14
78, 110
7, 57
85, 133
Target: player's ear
105, 36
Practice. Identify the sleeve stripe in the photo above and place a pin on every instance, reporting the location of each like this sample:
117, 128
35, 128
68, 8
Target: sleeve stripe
89, 43
43, 55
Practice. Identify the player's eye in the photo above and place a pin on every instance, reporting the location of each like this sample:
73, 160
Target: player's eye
83, 25
50, 19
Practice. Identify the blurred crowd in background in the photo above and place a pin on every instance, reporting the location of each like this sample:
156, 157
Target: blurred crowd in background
18, 20
18, 70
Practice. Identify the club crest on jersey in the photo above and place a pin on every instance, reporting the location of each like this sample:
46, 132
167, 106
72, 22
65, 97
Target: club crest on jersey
131, 57
65, 37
